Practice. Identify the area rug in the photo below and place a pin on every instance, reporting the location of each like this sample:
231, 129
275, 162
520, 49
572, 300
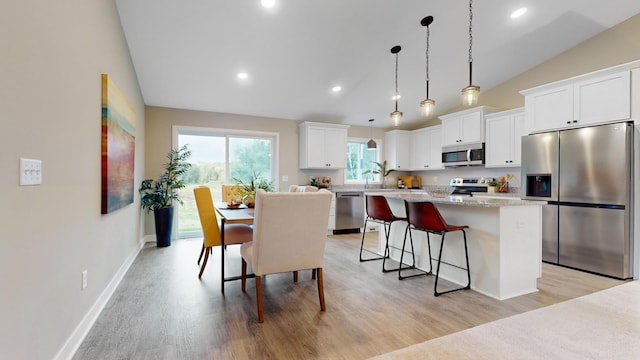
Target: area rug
602, 325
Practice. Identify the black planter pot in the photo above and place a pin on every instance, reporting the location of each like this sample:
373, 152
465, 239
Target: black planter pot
164, 225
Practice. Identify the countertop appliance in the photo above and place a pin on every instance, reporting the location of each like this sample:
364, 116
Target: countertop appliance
463, 155
411, 181
467, 186
585, 175
349, 212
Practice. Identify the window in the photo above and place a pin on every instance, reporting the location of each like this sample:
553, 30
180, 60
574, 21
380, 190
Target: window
360, 159
218, 156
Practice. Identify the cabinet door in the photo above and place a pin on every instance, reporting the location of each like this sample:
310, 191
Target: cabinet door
397, 150
603, 99
471, 128
518, 133
315, 148
420, 150
451, 132
402, 152
550, 110
435, 149
499, 143
336, 148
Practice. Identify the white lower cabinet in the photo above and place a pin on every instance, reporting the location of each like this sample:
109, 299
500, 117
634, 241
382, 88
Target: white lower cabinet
504, 138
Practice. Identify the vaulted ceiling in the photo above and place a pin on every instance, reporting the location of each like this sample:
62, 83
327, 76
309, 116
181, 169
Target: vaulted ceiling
187, 54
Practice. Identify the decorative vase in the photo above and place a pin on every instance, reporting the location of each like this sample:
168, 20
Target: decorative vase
164, 226
249, 200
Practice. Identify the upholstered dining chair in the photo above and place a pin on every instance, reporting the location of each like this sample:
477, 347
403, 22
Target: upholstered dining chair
230, 193
302, 188
289, 234
233, 233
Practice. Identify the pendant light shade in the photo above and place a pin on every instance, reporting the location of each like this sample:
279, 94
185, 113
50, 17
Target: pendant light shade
396, 116
470, 93
427, 105
371, 145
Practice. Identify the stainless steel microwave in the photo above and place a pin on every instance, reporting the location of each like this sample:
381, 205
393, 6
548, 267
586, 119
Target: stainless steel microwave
463, 155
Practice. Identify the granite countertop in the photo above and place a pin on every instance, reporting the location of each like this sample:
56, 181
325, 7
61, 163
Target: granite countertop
510, 195
466, 200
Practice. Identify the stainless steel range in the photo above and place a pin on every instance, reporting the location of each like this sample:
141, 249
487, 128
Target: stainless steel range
467, 186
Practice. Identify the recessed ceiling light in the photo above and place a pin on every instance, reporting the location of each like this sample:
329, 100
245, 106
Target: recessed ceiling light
518, 13
243, 75
268, 3
336, 88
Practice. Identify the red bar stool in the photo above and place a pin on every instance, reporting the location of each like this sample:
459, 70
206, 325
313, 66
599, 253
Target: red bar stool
424, 216
378, 211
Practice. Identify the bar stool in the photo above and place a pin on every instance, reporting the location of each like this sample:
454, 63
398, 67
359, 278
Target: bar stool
424, 216
378, 211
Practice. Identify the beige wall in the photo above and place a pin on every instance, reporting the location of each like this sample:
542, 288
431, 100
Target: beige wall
53, 53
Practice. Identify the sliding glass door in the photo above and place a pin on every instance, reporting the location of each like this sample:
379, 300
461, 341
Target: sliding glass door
220, 156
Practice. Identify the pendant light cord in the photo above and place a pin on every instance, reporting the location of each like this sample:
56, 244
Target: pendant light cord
396, 81
470, 40
427, 66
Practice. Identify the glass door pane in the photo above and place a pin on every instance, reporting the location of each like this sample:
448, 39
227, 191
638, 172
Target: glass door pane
208, 159
249, 156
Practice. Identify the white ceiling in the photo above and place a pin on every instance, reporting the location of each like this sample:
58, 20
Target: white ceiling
187, 53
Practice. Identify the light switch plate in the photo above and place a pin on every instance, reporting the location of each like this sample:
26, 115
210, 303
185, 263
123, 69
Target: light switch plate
30, 172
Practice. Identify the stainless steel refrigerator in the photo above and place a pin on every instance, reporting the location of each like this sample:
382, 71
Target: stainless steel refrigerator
586, 175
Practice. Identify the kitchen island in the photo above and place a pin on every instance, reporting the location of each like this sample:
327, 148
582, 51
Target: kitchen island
504, 240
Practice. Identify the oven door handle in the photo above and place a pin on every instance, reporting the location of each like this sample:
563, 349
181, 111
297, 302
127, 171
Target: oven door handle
468, 154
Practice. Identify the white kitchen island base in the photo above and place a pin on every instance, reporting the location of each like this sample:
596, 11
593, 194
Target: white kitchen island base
504, 242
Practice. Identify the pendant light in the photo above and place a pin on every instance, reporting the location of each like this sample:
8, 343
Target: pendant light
427, 104
471, 92
396, 116
371, 145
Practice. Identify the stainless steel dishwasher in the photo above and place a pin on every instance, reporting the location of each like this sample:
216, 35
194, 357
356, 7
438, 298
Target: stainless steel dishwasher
349, 212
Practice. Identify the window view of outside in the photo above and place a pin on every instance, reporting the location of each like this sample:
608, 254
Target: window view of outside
212, 167
359, 159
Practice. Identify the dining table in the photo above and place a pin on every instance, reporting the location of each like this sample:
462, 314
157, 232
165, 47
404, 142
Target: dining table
231, 215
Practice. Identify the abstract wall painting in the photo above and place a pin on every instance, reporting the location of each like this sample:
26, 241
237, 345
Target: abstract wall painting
118, 148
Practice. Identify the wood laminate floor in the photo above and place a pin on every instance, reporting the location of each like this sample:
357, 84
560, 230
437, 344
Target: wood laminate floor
161, 310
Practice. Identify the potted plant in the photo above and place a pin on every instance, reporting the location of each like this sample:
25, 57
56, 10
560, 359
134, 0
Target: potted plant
381, 169
492, 186
159, 195
247, 190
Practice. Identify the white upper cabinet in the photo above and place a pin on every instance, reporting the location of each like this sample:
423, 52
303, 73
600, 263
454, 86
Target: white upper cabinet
426, 149
396, 144
464, 127
585, 100
323, 146
504, 132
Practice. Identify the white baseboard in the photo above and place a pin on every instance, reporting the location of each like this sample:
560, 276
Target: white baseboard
150, 238
73, 342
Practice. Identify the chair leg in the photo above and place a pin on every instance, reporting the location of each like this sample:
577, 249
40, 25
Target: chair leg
201, 253
244, 275
321, 290
400, 268
259, 298
387, 251
295, 276
313, 274
364, 231
204, 262
466, 253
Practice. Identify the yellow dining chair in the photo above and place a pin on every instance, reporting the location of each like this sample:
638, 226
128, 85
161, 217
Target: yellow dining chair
289, 234
233, 233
